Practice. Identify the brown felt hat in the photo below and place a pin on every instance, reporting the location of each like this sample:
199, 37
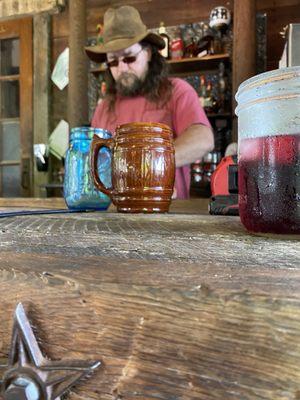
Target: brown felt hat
122, 27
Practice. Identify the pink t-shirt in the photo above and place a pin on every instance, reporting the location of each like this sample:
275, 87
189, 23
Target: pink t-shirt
182, 111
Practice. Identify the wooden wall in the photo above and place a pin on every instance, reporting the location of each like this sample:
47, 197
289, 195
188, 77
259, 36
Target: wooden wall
172, 12
279, 14
12, 8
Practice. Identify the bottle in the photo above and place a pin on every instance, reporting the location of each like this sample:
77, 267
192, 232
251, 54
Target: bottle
190, 43
176, 46
206, 42
222, 87
103, 89
100, 34
163, 33
208, 100
211, 103
218, 46
202, 90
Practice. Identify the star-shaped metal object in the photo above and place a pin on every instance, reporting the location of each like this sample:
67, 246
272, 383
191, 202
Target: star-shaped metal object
29, 375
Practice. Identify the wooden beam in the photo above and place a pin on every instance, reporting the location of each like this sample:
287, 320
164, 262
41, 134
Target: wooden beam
78, 71
12, 8
244, 45
265, 5
41, 100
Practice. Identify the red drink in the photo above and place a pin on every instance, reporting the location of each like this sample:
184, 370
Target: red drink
269, 184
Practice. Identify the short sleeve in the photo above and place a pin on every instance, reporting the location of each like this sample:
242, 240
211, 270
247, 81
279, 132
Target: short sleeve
97, 115
186, 107
102, 118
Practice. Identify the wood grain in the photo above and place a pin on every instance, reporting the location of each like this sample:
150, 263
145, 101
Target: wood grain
13, 9
52, 203
177, 306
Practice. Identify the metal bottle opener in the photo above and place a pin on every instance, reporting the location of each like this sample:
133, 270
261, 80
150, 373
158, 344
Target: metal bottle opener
31, 376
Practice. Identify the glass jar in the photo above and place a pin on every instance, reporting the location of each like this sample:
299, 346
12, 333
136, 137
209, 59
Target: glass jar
269, 151
79, 190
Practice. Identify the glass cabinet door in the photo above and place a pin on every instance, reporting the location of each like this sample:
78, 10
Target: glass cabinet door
15, 108
10, 160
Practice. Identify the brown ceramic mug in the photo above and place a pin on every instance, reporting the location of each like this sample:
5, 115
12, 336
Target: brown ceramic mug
143, 167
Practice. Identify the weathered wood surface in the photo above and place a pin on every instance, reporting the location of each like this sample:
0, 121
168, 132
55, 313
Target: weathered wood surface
33, 203
193, 206
12, 8
177, 306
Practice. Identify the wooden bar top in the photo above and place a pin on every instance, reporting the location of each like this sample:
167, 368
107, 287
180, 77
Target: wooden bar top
193, 206
177, 306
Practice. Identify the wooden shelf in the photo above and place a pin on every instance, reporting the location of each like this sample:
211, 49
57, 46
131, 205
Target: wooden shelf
186, 65
10, 77
195, 64
219, 115
218, 57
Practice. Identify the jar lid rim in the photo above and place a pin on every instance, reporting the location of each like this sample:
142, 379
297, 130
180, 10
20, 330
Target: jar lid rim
268, 86
88, 133
268, 77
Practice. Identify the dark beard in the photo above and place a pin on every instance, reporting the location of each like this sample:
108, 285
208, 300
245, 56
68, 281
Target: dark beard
134, 89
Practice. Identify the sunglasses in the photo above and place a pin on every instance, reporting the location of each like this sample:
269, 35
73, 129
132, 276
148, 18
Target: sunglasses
126, 60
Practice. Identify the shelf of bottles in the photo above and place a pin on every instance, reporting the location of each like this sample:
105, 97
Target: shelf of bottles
214, 92
201, 56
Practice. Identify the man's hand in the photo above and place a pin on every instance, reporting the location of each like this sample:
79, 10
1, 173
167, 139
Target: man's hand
192, 144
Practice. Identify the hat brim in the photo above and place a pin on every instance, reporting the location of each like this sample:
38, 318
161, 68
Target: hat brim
98, 53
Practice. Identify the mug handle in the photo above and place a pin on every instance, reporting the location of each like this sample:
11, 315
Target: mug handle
97, 144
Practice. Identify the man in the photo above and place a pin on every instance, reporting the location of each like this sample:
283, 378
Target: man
139, 90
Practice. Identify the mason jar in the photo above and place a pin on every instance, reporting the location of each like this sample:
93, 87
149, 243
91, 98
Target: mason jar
79, 190
269, 151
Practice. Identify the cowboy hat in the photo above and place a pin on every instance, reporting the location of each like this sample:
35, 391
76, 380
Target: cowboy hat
123, 27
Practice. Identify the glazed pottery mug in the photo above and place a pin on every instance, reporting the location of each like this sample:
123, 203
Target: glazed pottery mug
143, 167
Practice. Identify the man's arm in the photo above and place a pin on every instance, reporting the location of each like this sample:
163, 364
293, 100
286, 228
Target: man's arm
192, 144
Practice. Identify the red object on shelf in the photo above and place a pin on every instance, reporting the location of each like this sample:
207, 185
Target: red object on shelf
219, 179
176, 49
224, 199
